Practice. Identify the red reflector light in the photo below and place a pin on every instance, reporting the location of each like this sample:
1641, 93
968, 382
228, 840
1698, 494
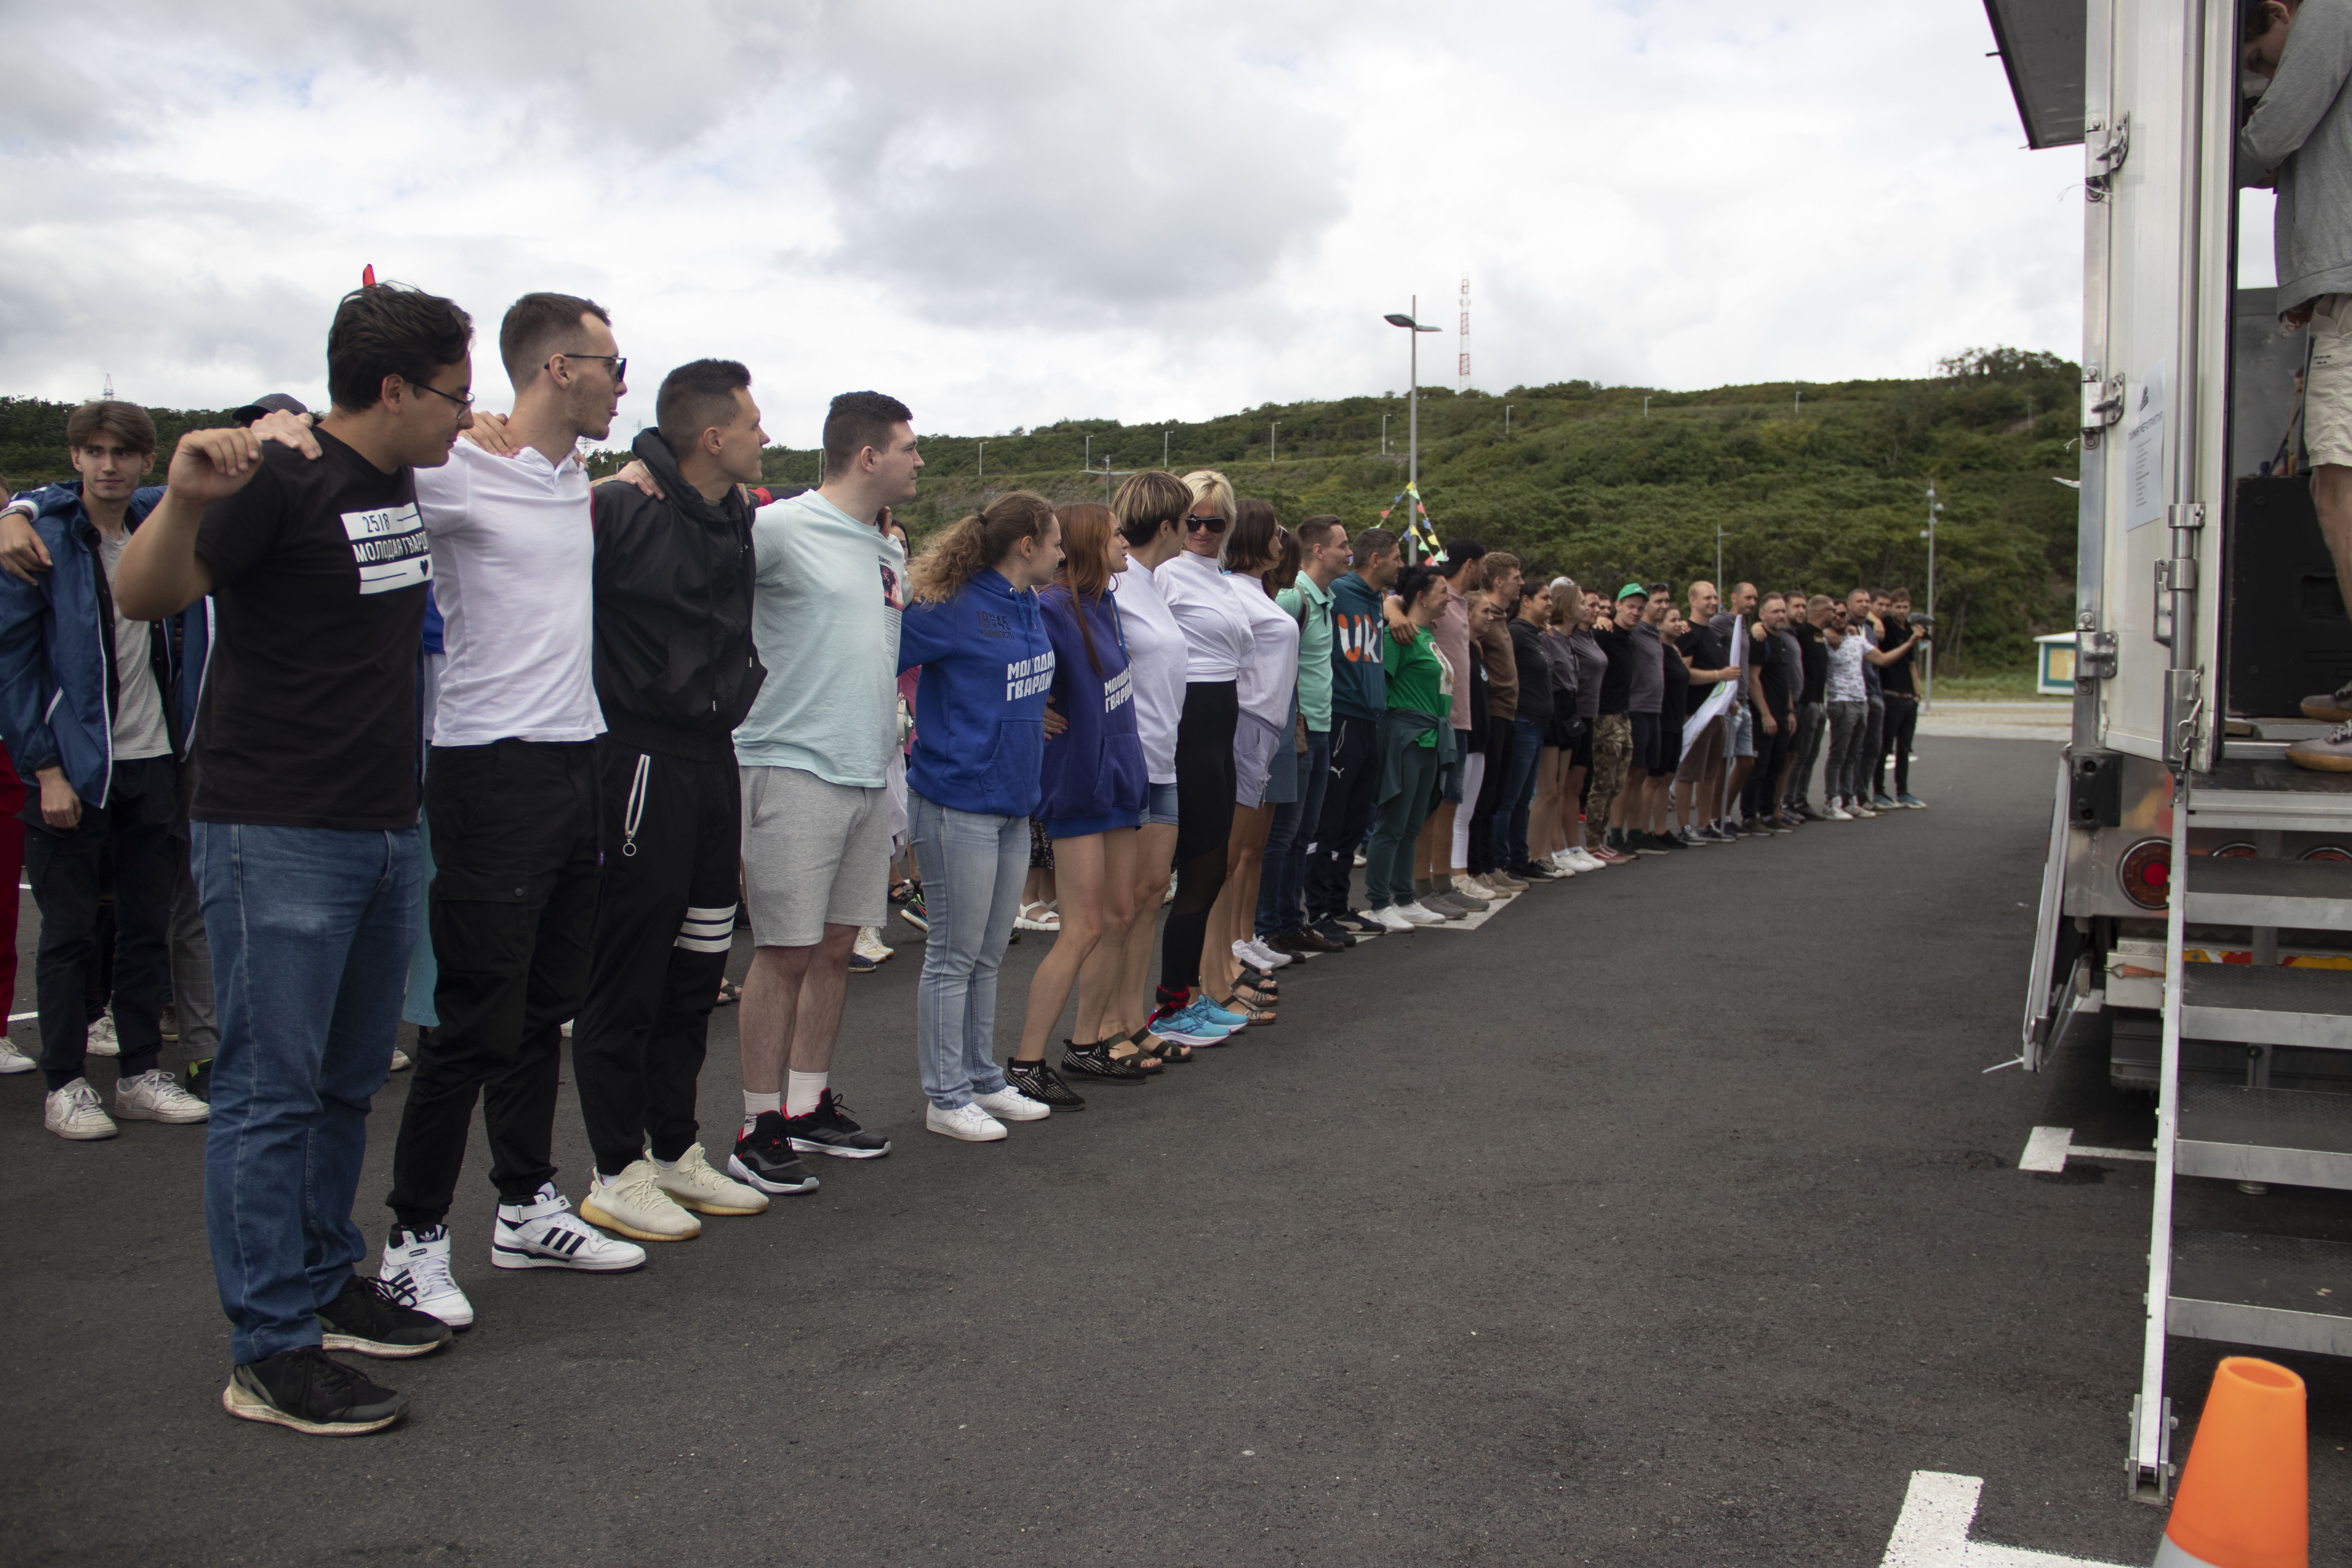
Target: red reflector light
2146, 873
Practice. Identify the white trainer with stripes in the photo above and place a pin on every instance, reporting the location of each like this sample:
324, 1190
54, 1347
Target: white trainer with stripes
419, 1261
546, 1234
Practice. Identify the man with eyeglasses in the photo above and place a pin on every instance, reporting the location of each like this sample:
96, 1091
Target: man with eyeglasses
91, 718
304, 832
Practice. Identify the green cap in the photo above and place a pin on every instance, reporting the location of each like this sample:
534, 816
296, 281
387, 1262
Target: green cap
1632, 591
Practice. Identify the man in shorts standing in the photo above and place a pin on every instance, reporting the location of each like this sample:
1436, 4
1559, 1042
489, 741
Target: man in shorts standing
815, 756
2300, 137
304, 833
1730, 624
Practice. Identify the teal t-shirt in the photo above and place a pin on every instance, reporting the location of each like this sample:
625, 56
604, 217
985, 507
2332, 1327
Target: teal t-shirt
824, 616
1311, 607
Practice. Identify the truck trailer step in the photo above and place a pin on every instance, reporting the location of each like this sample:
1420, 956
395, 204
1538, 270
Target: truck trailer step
2266, 791
2286, 1135
2305, 895
2267, 1006
2283, 1292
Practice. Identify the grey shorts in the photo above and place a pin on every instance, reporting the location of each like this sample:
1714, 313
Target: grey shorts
2328, 394
814, 854
1743, 730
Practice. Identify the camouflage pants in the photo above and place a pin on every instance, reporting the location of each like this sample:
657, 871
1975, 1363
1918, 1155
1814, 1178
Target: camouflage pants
1613, 748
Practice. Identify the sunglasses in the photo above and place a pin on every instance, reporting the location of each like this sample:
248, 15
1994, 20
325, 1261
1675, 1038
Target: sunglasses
1198, 524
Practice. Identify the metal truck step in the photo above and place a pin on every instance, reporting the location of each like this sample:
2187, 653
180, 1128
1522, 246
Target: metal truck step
2286, 1135
2269, 1005
2306, 895
2263, 790
2284, 1292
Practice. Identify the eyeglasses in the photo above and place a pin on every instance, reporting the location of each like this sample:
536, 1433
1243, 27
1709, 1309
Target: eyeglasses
620, 362
1213, 525
462, 399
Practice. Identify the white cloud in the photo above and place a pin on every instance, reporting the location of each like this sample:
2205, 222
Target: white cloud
1013, 213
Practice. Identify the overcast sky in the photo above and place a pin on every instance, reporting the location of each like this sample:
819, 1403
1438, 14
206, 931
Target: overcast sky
1008, 212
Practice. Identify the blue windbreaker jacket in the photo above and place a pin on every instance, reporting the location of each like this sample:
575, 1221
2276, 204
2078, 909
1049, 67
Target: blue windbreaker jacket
1095, 768
980, 708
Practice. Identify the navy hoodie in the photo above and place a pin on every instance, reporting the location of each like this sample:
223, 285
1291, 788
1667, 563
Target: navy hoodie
980, 706
1094, 768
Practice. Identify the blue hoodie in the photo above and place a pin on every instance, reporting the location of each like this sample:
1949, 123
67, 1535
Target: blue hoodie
1094, 768
980, 708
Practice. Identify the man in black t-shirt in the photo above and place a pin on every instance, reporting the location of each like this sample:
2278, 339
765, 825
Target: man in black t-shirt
1896, 679
1805, 624
1698, 782
1774, 694
304, 833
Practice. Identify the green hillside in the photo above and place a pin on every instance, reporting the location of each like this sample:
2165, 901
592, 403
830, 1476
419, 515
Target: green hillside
1823, 492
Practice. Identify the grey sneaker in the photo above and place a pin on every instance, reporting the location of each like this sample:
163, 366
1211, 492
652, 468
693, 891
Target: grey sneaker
2333, 708
2329, 753
156, 1096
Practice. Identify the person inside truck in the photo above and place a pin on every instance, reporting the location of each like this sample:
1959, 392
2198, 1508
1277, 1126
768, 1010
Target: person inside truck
2299, 138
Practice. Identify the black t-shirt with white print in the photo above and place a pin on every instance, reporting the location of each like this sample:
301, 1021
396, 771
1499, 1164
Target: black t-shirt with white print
309, 715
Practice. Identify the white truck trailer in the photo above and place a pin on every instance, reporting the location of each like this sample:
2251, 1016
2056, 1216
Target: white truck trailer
2196, 913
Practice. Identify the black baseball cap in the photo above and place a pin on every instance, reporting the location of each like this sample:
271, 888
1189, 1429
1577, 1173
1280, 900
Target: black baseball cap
272, 403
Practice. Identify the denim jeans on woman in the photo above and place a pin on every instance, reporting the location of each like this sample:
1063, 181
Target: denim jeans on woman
311, 930
1519, 792
973, 865
1282, 888
1842, 778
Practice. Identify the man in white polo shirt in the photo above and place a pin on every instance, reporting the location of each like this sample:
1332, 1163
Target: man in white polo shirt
815, 752
510, 791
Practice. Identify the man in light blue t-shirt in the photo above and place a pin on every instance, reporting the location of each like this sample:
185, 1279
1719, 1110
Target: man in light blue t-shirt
815, 751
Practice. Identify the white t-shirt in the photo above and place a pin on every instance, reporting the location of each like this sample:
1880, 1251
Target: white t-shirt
1155, 653
1216, 628
1845, 684
1270, 674
514, 553
139, 729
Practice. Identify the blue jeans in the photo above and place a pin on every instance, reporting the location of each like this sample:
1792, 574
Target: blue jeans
1519, 792
1282, 888
309, 927
973, 866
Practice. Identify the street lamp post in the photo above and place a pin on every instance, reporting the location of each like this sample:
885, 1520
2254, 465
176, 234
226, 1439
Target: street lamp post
1164, 447
1412, 422
1273, 443
1091, 451
983, 459
1927, 658
1718, 559
1506, 420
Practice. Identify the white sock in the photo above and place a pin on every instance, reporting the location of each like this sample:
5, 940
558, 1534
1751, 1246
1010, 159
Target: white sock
755, 1103
802, 1090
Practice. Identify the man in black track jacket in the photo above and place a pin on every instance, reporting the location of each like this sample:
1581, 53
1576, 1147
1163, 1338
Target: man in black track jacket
676, 672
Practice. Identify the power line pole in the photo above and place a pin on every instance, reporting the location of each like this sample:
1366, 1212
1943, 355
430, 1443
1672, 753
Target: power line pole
1164, 447
1506, 420
1273, 443
1927, 655
983, 459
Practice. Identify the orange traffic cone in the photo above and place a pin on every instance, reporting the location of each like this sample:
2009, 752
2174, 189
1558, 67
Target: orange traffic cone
2246, 1495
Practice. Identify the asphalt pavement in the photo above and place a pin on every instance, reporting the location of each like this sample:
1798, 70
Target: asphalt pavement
1671, 1218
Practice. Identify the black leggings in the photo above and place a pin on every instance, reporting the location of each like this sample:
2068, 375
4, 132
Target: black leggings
1205, 821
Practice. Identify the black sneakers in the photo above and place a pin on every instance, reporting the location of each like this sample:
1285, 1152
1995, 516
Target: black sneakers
311, 1392
381, 1319
1331, 930
763, 1158
1356, 924
1093, 1062
1040, 1083
828, 1130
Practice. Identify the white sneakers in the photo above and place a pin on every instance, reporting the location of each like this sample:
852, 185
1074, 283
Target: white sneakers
419, 1261
1560, 864
634, 1204
1836, 812
968, 1123
12, 1061
156, 1096
103, 1042
546, 1234
74, 1113
1258, 955
692, 1183
1419, 916
1576, 858
1387, 916
1009, 1104
871, 947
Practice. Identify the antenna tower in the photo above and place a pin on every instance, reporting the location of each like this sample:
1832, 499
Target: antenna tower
108, 393
1462, 374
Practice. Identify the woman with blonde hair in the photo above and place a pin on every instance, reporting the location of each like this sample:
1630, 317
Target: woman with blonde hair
1093, 792
1267, 694
980, 739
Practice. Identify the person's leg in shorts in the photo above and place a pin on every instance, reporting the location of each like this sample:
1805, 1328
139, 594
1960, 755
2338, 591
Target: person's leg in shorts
2328, 433
1696, 774
1115, 982
1741, 758
815, 863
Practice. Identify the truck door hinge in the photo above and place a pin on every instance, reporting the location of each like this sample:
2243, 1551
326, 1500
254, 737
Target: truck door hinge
2176, 579
2095, 660
2185, 515
2184, 710
2103, 404
2103, 150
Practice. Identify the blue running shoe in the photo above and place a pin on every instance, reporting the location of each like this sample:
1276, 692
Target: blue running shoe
1231, 1023
1911, 801
1183, 1025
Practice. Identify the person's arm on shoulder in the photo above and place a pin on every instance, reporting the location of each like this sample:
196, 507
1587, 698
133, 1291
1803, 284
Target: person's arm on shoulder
927, 635
1400, 624
21, 554
161, 574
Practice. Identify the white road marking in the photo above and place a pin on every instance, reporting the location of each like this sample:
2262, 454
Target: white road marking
1932, 1531
2049, 1147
